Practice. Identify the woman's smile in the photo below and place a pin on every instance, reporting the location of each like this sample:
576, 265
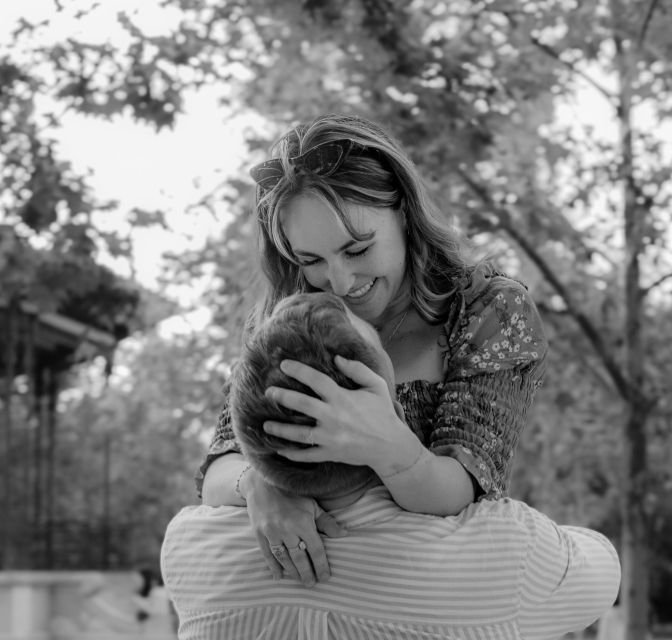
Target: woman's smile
360, 292
369, 274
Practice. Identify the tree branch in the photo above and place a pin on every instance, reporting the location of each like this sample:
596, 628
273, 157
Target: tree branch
554, 317
655, 284
645, 25
620, 382
549, 51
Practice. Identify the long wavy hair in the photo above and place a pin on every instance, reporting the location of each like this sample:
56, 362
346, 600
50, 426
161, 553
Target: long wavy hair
381, 176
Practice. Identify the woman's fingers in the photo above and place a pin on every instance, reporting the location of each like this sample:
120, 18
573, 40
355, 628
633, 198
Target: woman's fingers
329, 526
292, 432
296, 400
312, 454
273, 564
310, 560
361, 374
301, 562
305, 561
322, 384
286, 530
318, 557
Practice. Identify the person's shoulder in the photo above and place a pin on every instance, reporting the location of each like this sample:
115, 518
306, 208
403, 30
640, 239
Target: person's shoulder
502, 508
494, 325
203, 514
487, 284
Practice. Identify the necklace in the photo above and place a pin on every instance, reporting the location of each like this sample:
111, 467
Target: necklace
396, 328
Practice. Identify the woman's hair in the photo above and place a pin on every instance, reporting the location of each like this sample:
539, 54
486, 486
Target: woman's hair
311, 328
377, 173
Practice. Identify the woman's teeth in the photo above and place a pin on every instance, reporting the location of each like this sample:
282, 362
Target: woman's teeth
358, 293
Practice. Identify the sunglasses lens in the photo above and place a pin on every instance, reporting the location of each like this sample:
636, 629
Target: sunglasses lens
323, 160
267, 174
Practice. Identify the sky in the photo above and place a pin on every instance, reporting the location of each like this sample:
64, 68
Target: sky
133, 163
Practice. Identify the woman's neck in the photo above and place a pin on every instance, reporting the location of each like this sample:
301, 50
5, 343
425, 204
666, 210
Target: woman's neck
400, 306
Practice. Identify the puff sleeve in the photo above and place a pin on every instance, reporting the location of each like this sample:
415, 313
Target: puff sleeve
494, 358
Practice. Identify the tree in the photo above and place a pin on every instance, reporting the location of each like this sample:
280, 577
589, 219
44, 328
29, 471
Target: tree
129, 446
472, 89
476, 92
51, 244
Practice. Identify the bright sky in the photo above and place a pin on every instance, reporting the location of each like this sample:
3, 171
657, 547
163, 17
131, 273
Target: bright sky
133, 163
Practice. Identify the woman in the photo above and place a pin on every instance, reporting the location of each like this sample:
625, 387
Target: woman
341, 208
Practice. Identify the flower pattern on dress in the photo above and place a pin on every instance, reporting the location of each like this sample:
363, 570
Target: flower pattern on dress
509, 332
494, 349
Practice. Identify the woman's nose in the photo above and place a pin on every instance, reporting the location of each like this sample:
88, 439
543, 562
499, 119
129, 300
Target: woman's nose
340, 279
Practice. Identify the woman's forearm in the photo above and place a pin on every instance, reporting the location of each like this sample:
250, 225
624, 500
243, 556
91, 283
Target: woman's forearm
219, 484
437, 485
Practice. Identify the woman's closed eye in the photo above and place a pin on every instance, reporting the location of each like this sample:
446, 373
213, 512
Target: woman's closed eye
349, 254
356, 254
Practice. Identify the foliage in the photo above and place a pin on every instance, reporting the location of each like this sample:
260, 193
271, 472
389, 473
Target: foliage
126, 449
483, 94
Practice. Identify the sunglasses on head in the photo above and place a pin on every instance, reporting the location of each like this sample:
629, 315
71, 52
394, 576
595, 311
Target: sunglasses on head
322, 160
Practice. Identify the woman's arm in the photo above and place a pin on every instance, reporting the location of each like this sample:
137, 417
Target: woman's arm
219, 481
427, 483
363, 427
494, 363
275, 517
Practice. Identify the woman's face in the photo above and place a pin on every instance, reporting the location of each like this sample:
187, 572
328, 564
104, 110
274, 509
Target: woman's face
370, 274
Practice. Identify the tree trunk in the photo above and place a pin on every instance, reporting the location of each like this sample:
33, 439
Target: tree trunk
635, 558
50, 493
7, 511
38, 475
634, 551
106, 515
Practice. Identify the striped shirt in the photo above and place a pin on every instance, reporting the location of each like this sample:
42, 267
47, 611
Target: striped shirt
498, 570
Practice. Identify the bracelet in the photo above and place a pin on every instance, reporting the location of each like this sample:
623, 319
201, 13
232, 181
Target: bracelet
246, 468
409, 467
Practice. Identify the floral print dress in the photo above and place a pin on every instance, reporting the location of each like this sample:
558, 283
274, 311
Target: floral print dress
494, 351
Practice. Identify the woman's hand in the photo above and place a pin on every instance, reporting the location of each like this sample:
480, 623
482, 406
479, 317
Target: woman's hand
359, 427
287, 528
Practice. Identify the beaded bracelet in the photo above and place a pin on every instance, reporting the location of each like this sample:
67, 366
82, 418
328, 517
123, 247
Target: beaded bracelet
246, 468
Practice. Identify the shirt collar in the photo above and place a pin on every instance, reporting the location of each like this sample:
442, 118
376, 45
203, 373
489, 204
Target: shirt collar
374, 506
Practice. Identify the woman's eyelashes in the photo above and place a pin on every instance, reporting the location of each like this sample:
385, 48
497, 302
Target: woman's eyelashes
356, 254
348, 254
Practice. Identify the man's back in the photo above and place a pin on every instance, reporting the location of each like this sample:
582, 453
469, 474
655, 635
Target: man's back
497, 570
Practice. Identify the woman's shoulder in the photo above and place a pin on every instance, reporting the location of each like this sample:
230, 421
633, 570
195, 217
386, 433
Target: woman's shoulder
494, 323
481, 292
487, 284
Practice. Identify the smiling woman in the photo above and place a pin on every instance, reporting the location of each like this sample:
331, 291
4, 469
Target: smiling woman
342, 209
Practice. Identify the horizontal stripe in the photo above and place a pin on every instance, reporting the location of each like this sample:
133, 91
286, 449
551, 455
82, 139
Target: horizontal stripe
498, 571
